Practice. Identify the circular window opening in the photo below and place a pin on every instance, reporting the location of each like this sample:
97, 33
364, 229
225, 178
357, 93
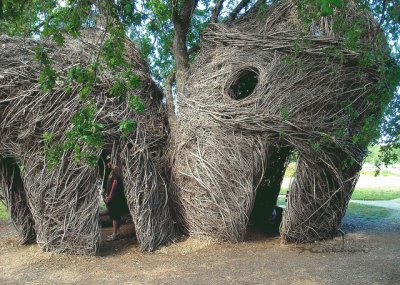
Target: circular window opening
244, 85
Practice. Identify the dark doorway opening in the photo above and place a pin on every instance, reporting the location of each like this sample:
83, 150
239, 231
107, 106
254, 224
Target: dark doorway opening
267, 215
127, 237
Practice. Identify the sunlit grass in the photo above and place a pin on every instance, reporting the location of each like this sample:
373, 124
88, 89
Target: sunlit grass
367, 211
369, 194
358, 210
3, 212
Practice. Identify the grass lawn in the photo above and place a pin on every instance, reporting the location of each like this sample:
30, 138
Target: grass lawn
369, 194
3, 212
368, 212
359, 210
281, 201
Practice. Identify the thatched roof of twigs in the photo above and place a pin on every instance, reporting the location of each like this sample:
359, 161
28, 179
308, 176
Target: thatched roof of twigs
226, 146
62, 204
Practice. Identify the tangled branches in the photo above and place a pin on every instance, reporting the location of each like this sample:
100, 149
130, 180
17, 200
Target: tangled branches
304, 100
62, 198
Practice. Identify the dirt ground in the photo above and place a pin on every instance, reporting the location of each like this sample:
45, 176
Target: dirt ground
371, 255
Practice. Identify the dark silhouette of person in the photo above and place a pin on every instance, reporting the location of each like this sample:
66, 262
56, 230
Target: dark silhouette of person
115, 199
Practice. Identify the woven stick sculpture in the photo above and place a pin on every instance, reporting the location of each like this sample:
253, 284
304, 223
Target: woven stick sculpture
252, 98
64, 200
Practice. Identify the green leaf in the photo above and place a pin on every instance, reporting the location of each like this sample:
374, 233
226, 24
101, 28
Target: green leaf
137, 104
284, 112
127, 126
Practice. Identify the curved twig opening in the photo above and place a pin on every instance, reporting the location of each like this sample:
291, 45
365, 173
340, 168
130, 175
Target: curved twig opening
243, 83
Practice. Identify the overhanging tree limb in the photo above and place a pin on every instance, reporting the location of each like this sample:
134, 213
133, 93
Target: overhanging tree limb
238, 8
216, 11
170, 99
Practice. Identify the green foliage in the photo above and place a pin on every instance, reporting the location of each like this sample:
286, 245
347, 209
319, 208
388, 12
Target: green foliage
136, 104
47, 77
125, 82
126, 127
3, 212
53, 151
118, 89
85, 76
53, 154
83, 139
284, 112
316, 146
87, 132
114, 47
326, 6
82, 75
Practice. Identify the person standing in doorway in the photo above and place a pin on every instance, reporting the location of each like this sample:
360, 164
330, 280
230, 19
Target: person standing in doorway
115, 199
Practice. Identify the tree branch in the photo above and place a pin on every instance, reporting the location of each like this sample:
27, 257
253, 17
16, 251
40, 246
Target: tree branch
216, 11
181, 21
187, 11
193, 49
383, 13
170, 99
238, 8
175, 14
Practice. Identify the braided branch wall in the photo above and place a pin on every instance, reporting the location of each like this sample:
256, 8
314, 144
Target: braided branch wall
16, 201
64, 201
223, 148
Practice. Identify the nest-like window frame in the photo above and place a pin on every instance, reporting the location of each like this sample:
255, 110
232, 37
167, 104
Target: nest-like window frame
235, 78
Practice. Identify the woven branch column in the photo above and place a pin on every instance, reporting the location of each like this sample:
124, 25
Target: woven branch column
318, 198
215, 179
65, 206
146, 193
15, 198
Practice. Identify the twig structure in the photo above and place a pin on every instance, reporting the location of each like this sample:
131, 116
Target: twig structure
60, 205
263, 88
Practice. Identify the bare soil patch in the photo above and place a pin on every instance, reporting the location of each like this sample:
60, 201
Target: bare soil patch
371, 255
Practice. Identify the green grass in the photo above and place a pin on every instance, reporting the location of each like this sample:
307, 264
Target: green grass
102, 205
283, 190
384, 173
368, 212
281, 201
3, 212
290, 170
369, 194
359, 210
